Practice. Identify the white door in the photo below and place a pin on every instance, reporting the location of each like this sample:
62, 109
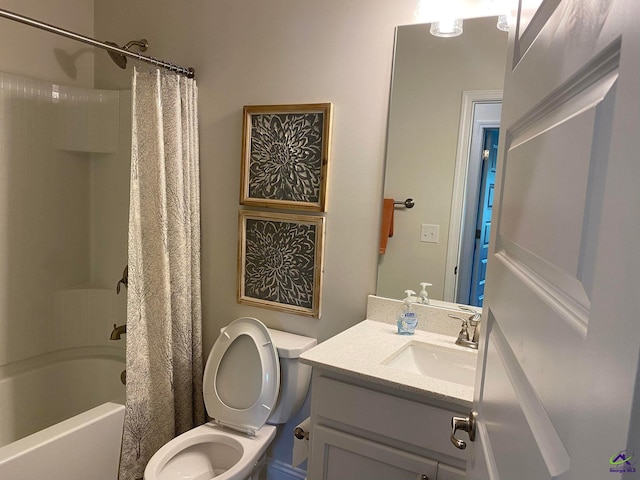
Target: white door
561, 326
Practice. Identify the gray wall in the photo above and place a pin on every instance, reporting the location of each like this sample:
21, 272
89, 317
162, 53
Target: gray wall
256, 52
31, 53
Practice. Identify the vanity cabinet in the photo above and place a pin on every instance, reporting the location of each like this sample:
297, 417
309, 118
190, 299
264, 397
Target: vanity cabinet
363, 430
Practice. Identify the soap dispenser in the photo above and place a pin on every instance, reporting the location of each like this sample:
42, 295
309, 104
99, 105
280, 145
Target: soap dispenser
407, 317
423, 298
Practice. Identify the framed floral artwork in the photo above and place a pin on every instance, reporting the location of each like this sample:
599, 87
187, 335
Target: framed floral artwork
280, 259
285, 156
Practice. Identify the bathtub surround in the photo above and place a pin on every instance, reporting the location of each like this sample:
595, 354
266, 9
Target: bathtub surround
56, 359
50, 301
164, 346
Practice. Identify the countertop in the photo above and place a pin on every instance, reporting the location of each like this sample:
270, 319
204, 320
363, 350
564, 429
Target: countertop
359, 351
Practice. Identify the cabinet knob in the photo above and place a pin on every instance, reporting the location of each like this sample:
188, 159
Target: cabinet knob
424, 477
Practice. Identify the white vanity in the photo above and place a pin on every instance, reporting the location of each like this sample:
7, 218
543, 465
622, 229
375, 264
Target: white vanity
382, 403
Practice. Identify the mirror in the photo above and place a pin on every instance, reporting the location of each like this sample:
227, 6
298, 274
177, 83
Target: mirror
430, 76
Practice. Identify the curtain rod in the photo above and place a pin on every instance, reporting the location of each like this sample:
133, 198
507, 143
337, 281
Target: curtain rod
189, 72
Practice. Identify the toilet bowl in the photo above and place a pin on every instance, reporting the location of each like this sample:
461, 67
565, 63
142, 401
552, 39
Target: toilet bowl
209, 451
252, 377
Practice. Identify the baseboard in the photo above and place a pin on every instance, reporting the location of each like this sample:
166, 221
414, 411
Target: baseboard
277, 470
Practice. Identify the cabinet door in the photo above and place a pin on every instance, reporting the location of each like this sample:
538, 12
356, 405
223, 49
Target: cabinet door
447, 472
339, 456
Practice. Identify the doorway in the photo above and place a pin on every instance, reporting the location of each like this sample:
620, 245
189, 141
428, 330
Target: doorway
479, 124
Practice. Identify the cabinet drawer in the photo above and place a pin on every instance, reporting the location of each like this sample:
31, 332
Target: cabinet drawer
403, 420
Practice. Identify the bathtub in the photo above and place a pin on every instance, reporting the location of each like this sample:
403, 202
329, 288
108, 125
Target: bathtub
39, 392
60, 409
83, 447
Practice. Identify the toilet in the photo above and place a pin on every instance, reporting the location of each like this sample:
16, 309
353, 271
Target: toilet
252, 382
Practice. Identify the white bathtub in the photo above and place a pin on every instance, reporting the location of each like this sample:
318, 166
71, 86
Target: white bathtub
39, 392
83, 447
55, 407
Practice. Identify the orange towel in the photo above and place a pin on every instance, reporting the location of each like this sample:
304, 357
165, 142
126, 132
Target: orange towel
386, 229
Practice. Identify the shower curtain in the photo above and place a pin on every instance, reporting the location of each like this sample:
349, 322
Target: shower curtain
164, 318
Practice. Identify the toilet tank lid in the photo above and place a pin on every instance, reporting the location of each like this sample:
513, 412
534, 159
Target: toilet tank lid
291, 345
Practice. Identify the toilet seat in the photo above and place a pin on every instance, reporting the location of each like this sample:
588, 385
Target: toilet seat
242, 376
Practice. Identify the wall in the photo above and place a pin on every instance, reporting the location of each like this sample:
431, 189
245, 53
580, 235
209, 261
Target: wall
430, 75
256, 52
37, 54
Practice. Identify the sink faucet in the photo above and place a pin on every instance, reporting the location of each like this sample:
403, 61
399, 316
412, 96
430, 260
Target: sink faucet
118, 331
473, 321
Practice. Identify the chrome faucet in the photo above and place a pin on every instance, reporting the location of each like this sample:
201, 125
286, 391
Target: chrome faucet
118, 331
473, 321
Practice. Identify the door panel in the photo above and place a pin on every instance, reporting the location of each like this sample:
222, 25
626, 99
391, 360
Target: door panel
527, 441
541, 343
510, 397
551, 159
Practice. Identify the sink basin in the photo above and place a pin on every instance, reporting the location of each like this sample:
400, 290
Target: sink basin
456, 366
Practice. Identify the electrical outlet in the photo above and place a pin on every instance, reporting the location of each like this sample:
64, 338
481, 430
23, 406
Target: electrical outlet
429, 233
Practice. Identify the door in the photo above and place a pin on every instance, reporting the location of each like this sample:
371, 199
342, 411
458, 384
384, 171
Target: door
483, 216
560, 337
485, 114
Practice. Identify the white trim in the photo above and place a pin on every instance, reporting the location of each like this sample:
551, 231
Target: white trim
469, 99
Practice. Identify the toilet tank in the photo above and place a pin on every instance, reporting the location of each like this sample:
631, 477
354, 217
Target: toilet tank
295, 377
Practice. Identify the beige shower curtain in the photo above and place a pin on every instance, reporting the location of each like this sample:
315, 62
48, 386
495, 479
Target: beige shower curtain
164, 319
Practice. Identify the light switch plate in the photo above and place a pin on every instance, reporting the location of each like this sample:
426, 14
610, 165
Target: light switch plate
429, 233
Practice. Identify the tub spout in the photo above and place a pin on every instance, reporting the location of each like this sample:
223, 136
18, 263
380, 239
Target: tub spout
118, 331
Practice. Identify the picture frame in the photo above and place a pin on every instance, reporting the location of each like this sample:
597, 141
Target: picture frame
280, 261
285, 156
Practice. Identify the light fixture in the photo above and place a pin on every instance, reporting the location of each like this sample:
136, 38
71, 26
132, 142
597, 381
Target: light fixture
503, 23
446, 27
